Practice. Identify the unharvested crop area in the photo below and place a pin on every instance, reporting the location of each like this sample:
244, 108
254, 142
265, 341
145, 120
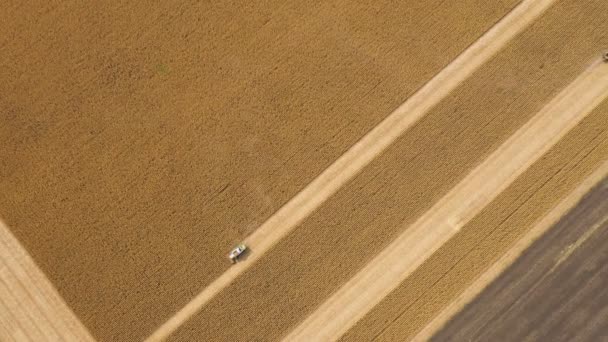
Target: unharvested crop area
140, 143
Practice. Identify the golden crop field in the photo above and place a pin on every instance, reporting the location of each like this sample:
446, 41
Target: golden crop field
377, 158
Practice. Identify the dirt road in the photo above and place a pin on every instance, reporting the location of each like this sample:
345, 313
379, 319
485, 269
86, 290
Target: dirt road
386, 271
302, 270
141, 142
555, 291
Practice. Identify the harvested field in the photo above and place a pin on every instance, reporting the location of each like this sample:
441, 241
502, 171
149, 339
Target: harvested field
554, 292
143, 152
140, 143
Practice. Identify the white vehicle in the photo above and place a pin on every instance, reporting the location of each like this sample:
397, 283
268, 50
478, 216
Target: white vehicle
234, 254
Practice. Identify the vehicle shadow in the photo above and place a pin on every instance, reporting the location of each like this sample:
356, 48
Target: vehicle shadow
245, 255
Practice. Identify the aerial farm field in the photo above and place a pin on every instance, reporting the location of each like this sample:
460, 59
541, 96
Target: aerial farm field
479, 243
376, 157
141, 144
554, 291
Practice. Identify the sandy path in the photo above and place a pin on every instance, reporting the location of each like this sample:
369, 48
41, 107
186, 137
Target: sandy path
364, 151
512, 254
390, 267
30, 307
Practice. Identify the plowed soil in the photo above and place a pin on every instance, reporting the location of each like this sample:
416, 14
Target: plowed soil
140, 142
333, 243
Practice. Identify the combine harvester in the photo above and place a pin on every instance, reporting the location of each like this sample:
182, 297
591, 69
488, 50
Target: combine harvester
236, 252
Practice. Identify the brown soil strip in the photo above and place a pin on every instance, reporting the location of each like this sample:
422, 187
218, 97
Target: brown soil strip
480, 243
512, 254
554, 292
348, 230
30, 307
397, 261
139, 143
363, 152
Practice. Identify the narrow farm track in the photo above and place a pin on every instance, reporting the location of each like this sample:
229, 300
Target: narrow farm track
386, 271
141, 142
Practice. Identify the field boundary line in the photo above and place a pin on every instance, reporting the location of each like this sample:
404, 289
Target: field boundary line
364, 151
538, 230
479, 188
31, 309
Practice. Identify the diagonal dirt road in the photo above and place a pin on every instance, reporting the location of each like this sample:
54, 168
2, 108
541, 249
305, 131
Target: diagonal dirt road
410, 249
364, 151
